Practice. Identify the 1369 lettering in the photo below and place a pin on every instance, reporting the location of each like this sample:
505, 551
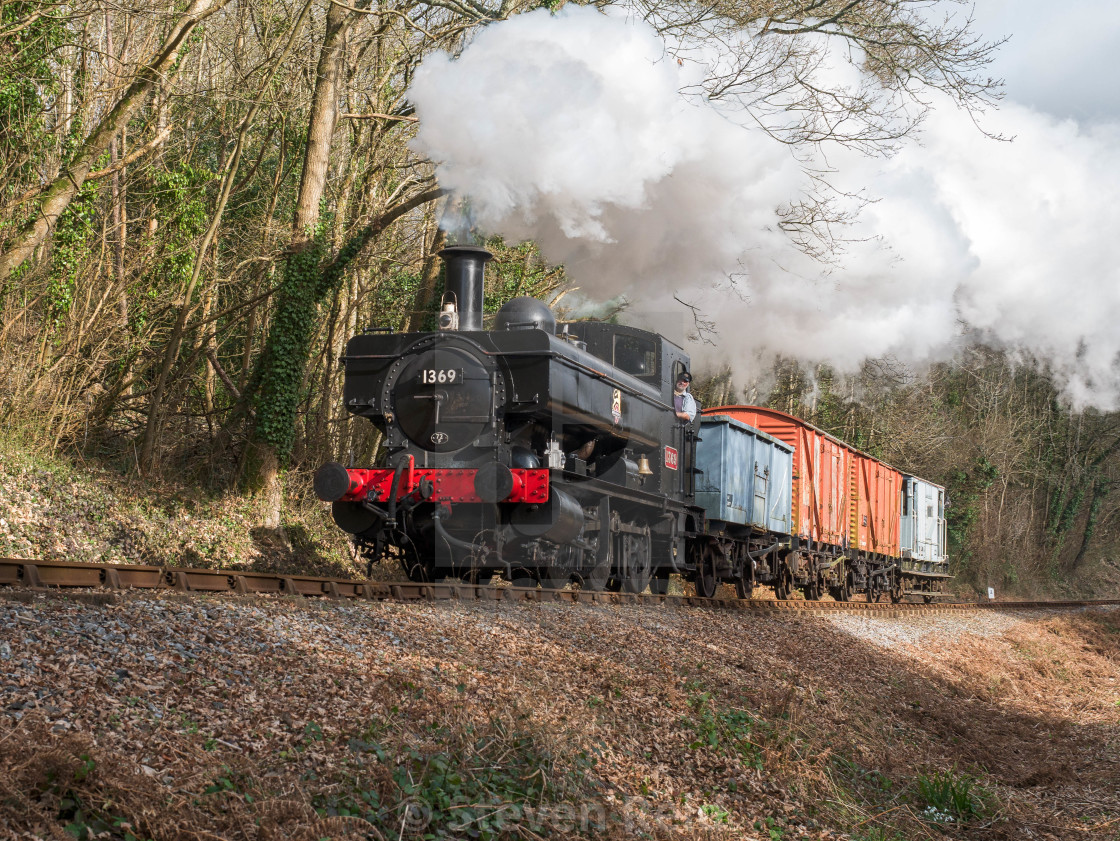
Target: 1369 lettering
441, 376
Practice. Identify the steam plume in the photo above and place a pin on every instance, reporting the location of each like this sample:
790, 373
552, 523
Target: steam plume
570, 130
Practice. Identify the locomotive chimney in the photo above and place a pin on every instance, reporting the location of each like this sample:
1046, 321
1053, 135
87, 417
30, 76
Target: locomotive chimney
464, 270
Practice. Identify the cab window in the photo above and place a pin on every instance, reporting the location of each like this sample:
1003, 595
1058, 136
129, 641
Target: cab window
635, 355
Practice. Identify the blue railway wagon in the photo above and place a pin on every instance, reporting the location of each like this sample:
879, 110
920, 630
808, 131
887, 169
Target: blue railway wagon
745, 475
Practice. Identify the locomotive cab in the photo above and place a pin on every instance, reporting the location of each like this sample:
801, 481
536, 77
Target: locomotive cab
655, 362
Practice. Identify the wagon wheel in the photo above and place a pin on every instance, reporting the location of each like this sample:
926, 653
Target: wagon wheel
783, 577
744, 583
873, 589
636, 562
706, 579
659, 584
896, 588
844, 592
812, 590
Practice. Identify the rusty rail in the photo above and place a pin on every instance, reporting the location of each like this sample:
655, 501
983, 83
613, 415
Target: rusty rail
45, 576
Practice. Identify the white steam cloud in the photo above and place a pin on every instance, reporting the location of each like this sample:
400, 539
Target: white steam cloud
570, 130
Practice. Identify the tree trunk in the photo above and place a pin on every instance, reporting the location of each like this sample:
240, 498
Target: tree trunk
1101, 489
285, 348
427, 288
272, 497
321, 124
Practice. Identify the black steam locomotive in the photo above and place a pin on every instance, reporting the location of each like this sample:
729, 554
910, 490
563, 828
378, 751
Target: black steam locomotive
540, 451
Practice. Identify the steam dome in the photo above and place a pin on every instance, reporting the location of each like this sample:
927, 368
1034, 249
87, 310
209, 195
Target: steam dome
525, 313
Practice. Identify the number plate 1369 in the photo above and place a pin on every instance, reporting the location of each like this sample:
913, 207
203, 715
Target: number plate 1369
441, 376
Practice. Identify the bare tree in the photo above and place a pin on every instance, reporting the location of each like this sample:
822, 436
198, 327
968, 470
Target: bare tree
59, 193
778, 61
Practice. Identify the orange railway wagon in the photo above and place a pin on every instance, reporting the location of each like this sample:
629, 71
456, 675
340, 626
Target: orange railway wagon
877, 500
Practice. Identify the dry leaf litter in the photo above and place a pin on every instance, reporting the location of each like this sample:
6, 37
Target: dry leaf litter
174, 716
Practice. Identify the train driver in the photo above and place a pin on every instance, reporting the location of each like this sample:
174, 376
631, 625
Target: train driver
683, 402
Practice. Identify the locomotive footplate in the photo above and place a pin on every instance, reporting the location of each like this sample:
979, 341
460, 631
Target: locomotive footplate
589, 490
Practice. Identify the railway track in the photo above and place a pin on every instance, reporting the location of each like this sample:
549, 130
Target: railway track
60, 576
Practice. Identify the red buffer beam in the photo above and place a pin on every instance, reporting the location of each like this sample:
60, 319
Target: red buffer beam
493, 483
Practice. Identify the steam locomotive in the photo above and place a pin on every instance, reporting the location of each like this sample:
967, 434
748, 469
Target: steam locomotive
551, 452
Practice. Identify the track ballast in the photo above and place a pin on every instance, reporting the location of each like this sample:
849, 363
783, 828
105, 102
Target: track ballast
59, 576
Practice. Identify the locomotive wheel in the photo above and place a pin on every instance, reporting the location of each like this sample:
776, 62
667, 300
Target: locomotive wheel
707, 581
420, 567
744, 587
564, 568
555, 578
481, 577
659, 584
636, 562
598, 577
521, 577
783, 587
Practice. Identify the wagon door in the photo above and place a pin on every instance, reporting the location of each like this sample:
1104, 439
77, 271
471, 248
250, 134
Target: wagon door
883, 508
930, 512
889, 505
781, 469
836, 506
908, 537
761, 484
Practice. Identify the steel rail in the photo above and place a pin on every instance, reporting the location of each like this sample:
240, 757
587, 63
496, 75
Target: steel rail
58, 576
